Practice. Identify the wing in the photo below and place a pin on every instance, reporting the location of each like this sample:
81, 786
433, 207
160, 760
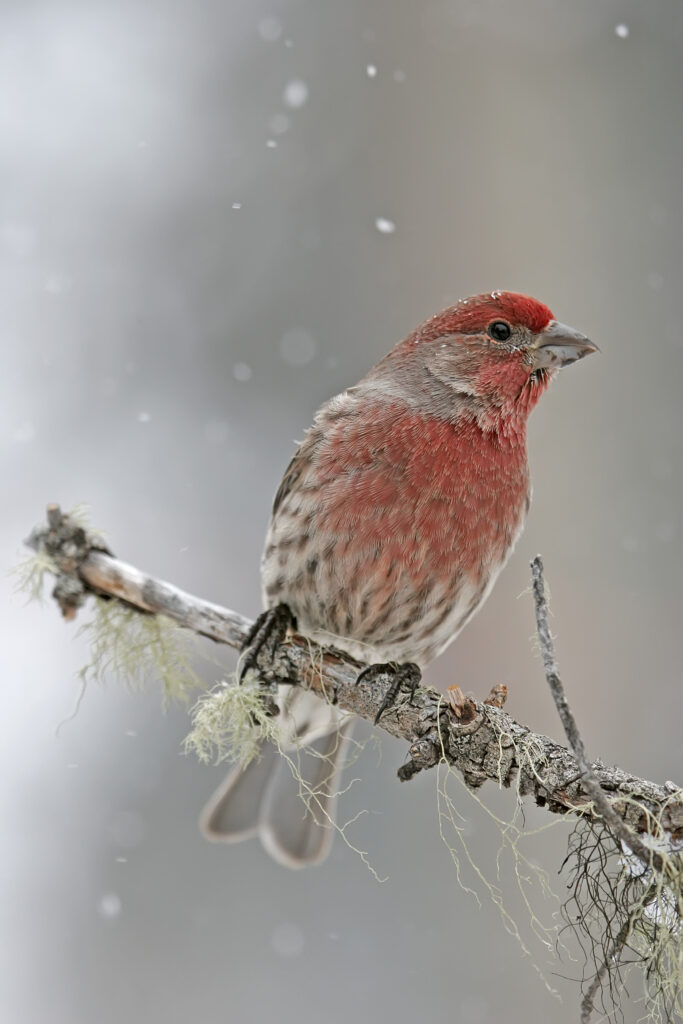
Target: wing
338, 408
292, 474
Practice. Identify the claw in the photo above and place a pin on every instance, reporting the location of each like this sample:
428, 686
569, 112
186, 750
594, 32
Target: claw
269, 630
407, 675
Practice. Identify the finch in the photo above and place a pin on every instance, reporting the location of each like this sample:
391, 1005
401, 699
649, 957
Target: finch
391, 524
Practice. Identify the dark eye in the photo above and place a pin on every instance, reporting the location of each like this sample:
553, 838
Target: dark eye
499, 330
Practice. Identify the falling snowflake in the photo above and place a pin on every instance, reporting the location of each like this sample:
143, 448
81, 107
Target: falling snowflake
109, 906
279, 124
385, 226
295, 94
298, 347
241, 372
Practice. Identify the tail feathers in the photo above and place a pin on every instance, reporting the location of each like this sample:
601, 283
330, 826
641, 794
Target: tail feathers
232, 813
266, 799
297, 821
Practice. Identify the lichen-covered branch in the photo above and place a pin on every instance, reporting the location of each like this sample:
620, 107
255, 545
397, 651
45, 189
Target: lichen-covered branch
480, 740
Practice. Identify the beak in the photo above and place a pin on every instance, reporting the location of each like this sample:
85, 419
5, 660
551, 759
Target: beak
558, 345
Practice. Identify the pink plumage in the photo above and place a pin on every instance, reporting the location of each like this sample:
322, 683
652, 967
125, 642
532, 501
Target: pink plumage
393, 520
409, 491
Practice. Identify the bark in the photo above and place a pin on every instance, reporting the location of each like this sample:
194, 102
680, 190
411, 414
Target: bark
480, 740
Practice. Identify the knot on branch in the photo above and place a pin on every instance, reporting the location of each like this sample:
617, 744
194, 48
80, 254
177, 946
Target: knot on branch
424, 753
65, 541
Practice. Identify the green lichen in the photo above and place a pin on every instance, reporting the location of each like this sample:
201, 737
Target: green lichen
623, 916
627, 918
230, 723
30, 575
531, 881
136, 648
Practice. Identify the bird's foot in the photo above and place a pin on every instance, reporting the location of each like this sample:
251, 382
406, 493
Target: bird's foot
406, 675
266, 634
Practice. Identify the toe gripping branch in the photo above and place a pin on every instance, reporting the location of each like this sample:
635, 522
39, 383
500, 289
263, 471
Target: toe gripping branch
269, 631
405, 676
265, 636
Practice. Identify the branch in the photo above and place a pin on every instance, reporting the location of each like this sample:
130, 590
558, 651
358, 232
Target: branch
611, 959
479, 739
647, 856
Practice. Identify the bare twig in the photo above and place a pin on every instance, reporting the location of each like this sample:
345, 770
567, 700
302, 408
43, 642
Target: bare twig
649, 857
610, 961
483, 744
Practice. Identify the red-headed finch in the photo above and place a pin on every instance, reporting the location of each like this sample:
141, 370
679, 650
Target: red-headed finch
392, 523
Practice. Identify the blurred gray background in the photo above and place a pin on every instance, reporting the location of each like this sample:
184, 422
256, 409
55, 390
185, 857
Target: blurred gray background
213, 215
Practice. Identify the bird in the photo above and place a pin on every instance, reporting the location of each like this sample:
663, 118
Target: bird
388, 531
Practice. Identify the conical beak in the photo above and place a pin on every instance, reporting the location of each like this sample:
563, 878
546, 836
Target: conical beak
558, 345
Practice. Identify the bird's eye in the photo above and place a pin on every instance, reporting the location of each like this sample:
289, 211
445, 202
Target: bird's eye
499, 330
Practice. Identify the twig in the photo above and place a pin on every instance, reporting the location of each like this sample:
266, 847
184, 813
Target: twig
484, 744
649, 857
588, 1001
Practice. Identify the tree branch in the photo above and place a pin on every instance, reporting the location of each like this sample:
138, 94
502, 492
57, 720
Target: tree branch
609, 963
647, 856
480, 740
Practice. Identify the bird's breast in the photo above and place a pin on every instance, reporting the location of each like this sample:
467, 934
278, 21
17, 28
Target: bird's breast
397, 530
427, 489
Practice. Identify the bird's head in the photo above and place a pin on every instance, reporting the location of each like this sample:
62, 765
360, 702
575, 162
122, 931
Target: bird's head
493, 353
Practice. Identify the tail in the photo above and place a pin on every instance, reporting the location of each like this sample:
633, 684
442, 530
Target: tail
267, 800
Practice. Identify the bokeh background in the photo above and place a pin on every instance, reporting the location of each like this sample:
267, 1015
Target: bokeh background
214, 214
